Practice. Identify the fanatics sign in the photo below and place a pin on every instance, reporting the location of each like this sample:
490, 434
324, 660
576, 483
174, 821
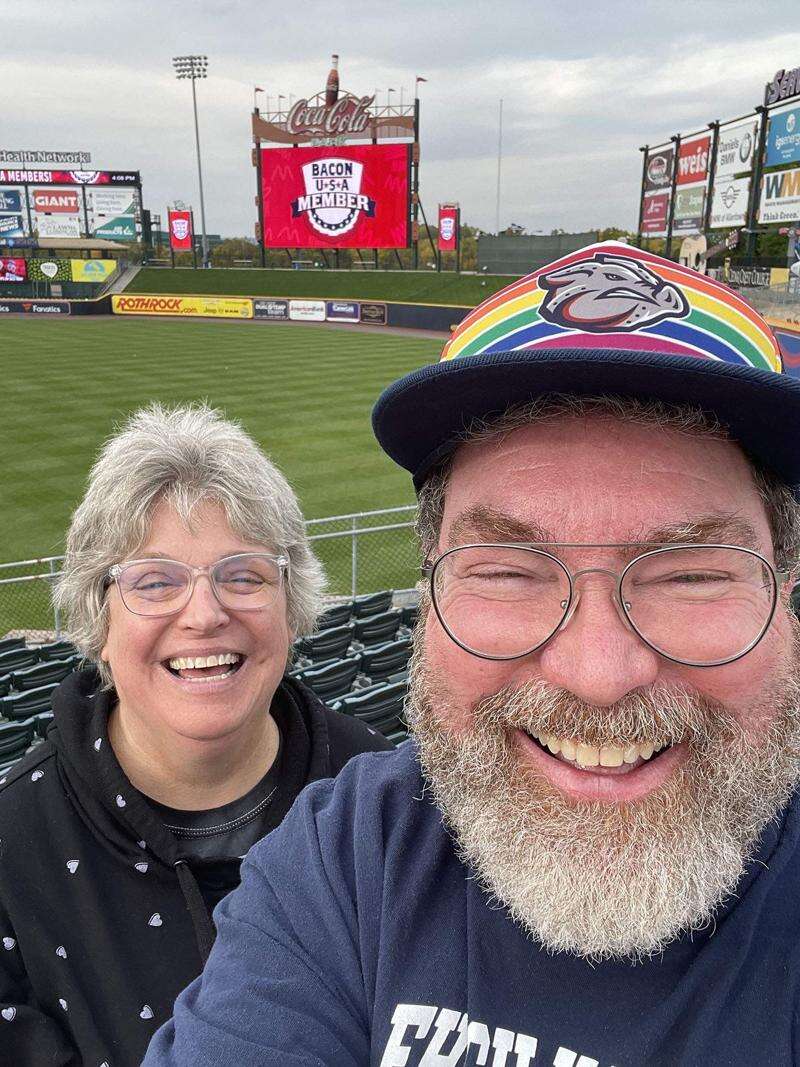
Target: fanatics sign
336, 197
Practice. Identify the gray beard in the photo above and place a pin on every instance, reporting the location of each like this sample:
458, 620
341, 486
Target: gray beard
599, 880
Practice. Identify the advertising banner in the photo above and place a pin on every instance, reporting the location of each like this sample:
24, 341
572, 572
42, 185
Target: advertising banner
13, 270
70, 177
271, 309
655, 210
119, 228
373, 313
749, 277
336, 196
181, 230
56, 201
109, 201
307, 310
729, 202
11, 226
780, 196
57, 225
735, 149
690, 204
49, 270
693, 160
783, 137
92, 270
34, 307
448, 227
658, 171
11, 200
216, 307
342, 311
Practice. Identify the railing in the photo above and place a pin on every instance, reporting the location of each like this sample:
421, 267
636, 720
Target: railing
360, 553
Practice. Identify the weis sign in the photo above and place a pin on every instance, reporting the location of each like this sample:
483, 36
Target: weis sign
693, 160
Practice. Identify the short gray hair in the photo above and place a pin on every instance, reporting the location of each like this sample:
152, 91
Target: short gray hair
780, 504
183, 456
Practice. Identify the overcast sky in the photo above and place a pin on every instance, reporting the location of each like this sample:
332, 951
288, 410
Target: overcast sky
584, 85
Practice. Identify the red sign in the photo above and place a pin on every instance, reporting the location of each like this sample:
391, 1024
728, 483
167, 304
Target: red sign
654, 213
13, 270
449, 218
693, 160
336, 196
70, 177
181, 231
57, 201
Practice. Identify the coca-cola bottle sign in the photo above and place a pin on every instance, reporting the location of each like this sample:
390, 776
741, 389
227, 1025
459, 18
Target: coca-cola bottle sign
348, 115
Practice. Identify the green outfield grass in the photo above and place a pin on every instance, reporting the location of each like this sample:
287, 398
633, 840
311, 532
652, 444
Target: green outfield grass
304, 392
415, 287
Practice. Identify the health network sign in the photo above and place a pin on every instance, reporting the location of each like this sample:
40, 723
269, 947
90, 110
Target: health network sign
336, 197
783, 138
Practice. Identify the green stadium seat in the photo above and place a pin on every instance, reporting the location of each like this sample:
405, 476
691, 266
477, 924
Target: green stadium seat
327, 644
372, 603
380, 707
56, 650
335, 616
16, 739
333, 680
376, 629
7, 644
384, 660
53, 670
23, 705
17, 659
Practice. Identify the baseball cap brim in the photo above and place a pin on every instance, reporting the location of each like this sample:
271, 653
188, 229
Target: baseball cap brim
422, 417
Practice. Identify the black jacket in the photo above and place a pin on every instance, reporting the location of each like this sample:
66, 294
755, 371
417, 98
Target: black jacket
102, 922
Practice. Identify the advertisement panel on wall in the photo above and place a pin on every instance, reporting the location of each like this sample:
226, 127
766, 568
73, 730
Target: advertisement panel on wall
693, 160
783, 137
729, 202
13, 270
92, 270
11, 200
11, 226
655, 209
57, 225
341, 311
49, 270
55, 201
307, 310
216, 307
780, 196
271, 309
109, 201
689, 207
34, 307
448, 227
70, 177
373, 313
658, 169
336, 196
120, 228
735, 149
181, 230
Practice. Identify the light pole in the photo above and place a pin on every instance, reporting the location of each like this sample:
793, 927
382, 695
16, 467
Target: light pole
195, 67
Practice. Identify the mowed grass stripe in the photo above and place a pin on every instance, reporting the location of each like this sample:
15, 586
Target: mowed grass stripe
304, 393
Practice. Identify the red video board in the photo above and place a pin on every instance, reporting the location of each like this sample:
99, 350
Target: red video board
13, 270
181, 230
336, 196
449, 217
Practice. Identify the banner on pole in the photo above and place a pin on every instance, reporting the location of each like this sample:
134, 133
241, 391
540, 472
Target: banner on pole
735, 149
693, 160
449, 226
181, 230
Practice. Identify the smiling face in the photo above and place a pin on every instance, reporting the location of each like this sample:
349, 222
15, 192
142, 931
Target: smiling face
605, 860
160, 693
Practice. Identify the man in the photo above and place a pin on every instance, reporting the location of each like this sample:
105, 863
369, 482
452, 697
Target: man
588, 858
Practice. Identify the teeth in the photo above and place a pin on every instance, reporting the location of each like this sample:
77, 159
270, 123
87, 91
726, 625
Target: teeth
603, 756
182, 663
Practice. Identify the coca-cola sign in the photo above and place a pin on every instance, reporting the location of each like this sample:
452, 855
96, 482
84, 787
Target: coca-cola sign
349, 115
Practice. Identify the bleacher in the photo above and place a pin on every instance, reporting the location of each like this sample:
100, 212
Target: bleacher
356, 662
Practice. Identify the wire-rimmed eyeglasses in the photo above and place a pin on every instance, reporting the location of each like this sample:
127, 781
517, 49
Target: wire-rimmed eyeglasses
702, 605
248, 581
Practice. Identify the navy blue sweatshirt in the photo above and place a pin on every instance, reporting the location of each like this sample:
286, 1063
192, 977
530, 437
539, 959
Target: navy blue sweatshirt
358, 938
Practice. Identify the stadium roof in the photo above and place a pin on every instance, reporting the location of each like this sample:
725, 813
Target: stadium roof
81, 244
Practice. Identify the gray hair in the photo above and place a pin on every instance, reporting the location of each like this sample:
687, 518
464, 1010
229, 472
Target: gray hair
183, 456
783, 510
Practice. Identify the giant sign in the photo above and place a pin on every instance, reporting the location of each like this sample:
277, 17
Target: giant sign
56, 201
780, 196
783, 137
735, 149
693, 160
336, 197
729, 202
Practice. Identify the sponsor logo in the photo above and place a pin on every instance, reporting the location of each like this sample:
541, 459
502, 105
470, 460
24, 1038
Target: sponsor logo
609, 294
749, 277
447, 227
271, 309
13, 270
373, 313
10, 200
64, 201
347, 115
33, 155
35, 307
342, 310
307, 310
147, 303
746, 148
657, 170
333, 200
206, 307
92, 270
180, 228
11, 225
693, 161
86, 177
786, 83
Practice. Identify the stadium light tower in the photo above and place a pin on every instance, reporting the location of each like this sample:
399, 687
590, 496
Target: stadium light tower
195, 67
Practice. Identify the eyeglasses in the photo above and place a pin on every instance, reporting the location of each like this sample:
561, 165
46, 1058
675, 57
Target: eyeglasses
700, 605
250, 581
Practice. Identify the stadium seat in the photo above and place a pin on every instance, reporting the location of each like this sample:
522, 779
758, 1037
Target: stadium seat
384, 660
5, 684
380, 706
53, 670
43, 720
9, 643
333, 680
327, 644
56, 650
17, 659
15, 739
409, 615
375, 629
23, 705
335, 616
372, 603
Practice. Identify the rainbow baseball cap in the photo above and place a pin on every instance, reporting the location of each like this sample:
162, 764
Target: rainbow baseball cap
606, 320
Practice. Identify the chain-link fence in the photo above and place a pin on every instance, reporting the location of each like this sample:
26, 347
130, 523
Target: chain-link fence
361, 553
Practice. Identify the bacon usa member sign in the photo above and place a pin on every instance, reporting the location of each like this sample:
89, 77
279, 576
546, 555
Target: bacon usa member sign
336, 196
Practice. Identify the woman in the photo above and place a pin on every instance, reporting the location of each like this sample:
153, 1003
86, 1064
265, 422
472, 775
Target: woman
187, 576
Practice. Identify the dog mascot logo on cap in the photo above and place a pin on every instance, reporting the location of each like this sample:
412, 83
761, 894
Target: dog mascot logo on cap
609, 294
